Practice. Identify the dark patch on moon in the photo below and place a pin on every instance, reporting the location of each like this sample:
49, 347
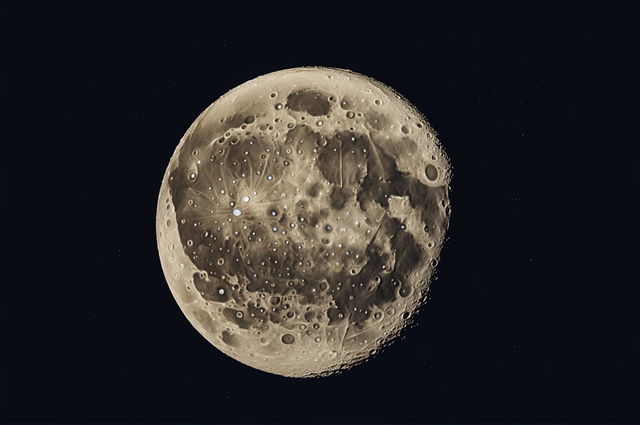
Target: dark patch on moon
234, 121
210, 289
336, 315
342, 161
376, 120
230, 339
311, 101
205, 320
237, 317
408, 146
314, 190
339, 197
431, 172
348, 102
408, 254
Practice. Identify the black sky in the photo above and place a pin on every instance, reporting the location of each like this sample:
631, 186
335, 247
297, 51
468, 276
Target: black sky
534, 315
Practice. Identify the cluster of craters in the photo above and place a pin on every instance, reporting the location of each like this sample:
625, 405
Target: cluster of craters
311, 220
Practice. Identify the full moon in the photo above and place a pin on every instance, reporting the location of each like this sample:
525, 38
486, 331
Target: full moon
301, 218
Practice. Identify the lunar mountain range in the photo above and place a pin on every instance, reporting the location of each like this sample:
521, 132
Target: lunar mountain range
301, 217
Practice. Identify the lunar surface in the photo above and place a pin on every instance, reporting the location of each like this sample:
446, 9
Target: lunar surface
301, 217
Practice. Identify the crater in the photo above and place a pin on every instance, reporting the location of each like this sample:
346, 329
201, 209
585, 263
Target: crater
288, 339
431, 172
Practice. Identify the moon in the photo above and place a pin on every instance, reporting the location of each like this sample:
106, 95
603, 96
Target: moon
301, 218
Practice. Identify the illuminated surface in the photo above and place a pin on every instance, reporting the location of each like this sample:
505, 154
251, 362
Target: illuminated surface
301, 217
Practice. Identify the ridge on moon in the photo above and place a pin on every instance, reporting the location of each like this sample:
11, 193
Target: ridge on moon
301, 218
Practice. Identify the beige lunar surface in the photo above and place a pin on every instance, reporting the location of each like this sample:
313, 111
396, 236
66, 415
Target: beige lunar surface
301, 217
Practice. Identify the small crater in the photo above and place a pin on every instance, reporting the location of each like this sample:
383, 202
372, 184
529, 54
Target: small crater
288, 339
405, 291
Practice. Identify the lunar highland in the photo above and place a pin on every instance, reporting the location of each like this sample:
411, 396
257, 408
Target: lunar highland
301, 218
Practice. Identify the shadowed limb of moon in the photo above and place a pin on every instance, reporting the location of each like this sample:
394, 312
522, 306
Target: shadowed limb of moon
301, 218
